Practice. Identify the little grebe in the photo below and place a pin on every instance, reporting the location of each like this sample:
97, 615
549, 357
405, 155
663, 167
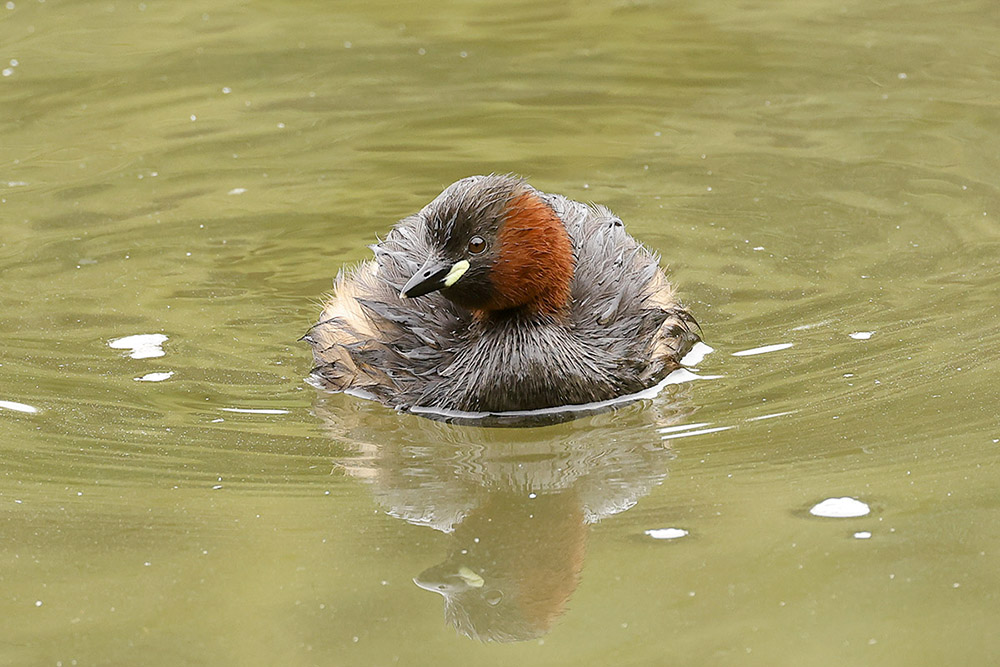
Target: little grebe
498, 297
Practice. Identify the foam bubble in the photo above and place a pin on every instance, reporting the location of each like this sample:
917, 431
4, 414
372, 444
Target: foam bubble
143, 346
155, 377
18, 407
840, 508
666, 533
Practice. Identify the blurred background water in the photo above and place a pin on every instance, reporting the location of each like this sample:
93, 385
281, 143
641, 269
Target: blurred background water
819, 176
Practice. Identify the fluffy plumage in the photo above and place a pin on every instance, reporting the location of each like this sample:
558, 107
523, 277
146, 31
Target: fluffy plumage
620, 330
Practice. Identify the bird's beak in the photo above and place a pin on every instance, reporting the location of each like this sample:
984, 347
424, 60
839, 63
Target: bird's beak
435, 274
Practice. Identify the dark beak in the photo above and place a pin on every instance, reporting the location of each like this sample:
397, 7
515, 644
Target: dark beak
429, 278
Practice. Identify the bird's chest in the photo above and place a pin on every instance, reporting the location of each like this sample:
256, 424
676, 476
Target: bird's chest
523, 368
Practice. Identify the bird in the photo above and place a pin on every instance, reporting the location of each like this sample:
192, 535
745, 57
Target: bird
496, 297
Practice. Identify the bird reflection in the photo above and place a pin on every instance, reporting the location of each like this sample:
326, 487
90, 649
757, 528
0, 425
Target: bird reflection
516, 502
513, 564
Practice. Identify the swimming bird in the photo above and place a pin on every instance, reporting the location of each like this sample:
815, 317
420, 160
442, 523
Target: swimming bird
497, 297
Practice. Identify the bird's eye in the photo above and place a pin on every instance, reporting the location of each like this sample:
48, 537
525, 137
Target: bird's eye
477, 244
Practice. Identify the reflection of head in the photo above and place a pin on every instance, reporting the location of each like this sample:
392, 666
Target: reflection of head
515, 562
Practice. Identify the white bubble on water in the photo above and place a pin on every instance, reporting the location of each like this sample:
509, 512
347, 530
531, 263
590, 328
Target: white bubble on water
18, 407
666, 533
840, 508
143, 346
155, 377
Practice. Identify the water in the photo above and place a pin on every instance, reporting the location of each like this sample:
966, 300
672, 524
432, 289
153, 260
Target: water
818, 176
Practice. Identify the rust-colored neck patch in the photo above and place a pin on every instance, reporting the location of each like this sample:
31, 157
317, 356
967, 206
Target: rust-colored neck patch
535, 264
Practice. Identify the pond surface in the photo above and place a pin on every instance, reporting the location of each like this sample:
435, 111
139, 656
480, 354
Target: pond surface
821, 178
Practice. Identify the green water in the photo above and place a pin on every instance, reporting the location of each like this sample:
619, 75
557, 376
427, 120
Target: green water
808, 170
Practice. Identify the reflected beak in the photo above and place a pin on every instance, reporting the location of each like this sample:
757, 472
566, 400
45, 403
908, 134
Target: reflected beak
446, 580
435, 274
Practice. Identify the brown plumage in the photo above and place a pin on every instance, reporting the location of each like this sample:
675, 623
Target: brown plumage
512, 299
